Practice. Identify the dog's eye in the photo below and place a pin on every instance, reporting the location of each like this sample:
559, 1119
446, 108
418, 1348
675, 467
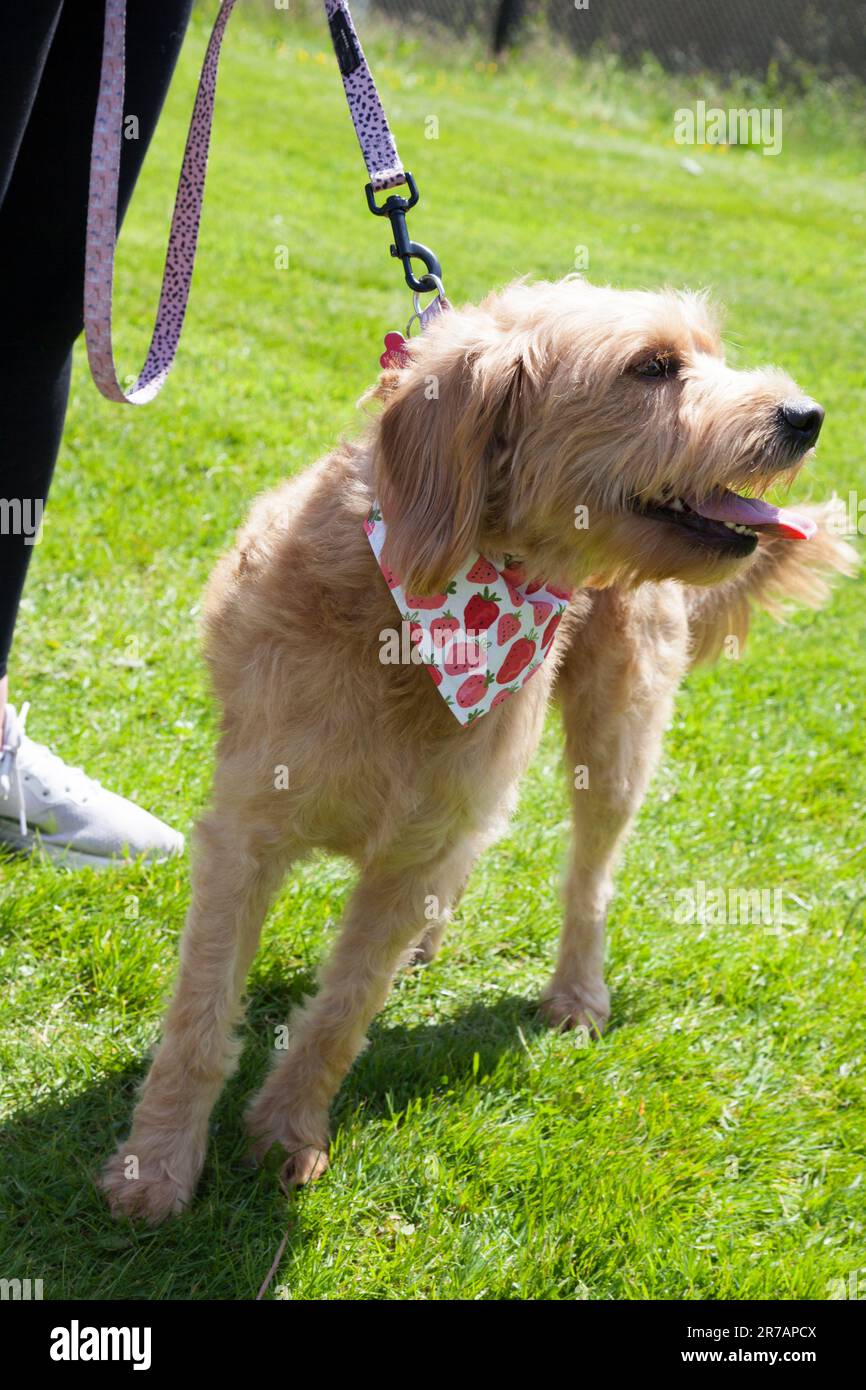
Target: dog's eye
663, 364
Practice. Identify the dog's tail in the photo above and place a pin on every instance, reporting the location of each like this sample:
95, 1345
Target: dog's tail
782, 572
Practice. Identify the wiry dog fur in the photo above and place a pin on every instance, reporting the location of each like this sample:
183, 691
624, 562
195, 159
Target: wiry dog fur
543, 405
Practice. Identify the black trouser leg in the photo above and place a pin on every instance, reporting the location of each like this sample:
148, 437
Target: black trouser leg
50, 54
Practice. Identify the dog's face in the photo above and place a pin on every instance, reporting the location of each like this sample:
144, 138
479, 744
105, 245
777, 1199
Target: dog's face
596, 433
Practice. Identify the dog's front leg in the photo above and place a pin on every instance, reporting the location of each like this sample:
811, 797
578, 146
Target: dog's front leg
383, 923
616, 688
153, 1173
576, 996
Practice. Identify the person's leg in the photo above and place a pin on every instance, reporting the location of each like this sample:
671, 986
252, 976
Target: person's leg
26, 33
25, 38
50, 55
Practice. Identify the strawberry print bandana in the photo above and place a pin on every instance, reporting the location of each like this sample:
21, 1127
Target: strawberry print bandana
482, 638
489, 630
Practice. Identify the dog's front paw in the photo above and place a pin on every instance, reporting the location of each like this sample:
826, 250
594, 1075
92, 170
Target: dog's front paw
305, 1145
576, 1006
141, 1183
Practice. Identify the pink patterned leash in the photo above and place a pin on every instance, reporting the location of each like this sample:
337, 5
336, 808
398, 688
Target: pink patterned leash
379, 149
371, 124
102, 216
377, 146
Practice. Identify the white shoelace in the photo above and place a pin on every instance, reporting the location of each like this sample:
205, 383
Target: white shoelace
42, 765
10, 765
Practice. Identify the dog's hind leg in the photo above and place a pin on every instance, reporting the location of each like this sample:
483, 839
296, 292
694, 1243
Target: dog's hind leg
383, 923
235, 872
616, 689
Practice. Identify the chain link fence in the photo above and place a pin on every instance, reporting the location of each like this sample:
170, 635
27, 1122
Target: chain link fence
726, 36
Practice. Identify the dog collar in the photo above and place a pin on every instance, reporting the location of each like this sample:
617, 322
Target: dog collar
482, 638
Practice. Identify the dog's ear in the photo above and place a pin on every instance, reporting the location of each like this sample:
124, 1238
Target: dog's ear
433, 452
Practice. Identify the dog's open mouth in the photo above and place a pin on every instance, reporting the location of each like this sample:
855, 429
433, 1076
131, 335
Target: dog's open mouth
726, 521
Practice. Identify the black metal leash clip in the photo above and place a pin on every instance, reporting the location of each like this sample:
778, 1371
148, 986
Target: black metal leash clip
395, 208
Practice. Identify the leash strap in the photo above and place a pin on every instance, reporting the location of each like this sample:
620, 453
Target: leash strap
374, 136
102, 216
365, 107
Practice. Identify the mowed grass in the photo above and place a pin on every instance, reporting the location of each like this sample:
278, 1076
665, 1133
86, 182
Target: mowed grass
713, 1144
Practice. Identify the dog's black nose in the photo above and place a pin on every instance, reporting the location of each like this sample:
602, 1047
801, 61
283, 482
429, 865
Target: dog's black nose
803, 419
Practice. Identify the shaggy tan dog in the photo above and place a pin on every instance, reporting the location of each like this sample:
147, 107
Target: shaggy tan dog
550, 397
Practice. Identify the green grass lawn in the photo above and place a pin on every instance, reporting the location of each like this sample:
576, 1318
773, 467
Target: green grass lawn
712, 1146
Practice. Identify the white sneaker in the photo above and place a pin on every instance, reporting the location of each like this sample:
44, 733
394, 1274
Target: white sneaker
44, 802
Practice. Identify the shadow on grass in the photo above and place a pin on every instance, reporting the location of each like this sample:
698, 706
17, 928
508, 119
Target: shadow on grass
55, 1226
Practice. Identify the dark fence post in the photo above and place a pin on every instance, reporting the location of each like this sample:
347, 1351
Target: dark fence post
508, 16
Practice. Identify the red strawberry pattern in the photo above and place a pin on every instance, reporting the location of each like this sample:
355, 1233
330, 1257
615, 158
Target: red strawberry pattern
482, 572
479, 647
429, 601
550, 630
515, 593
443, 629
513, 571
464, 654
481, 611
416, 631
473, 690
541, 612
520, 653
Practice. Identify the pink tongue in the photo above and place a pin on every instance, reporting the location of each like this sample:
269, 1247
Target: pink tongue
748, 511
